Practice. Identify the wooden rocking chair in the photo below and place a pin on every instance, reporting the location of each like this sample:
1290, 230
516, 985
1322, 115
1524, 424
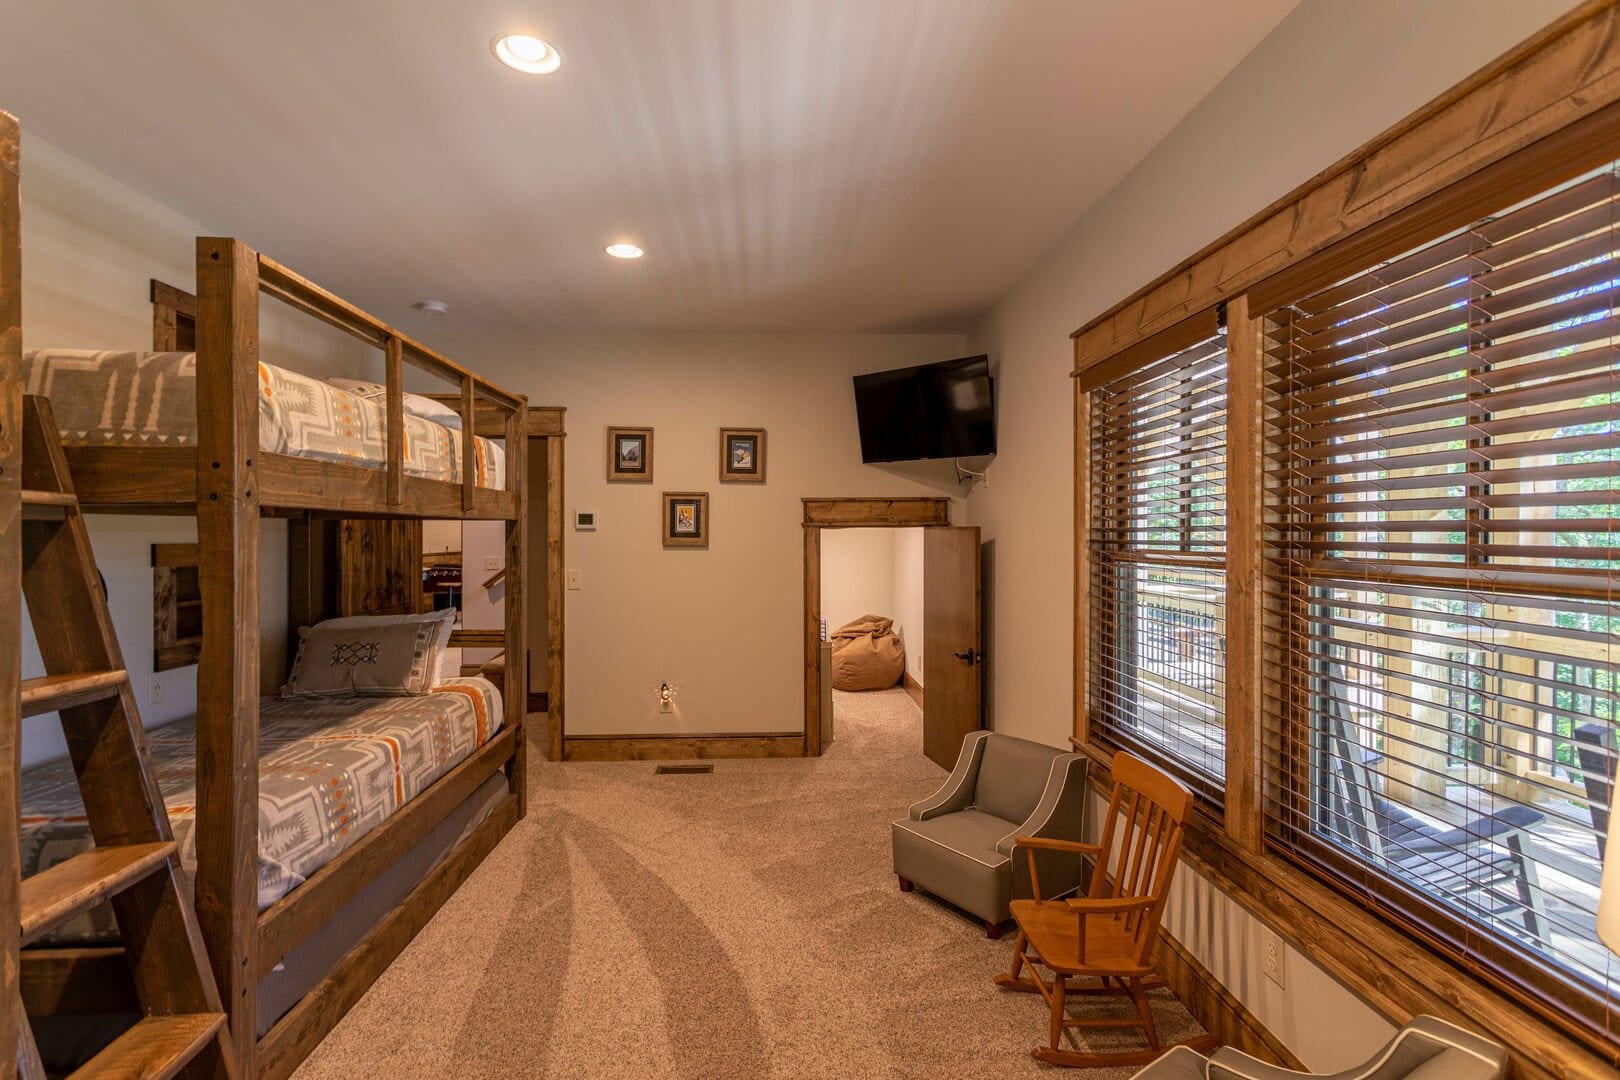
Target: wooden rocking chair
1109, 935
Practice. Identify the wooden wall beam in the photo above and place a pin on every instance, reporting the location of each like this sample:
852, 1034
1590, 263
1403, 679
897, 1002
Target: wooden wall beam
1569, 70
555, 593
228, 672
10, 568
515, 686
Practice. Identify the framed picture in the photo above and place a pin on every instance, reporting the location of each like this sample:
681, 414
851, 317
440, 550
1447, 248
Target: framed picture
629, 454
686, 519
742, 455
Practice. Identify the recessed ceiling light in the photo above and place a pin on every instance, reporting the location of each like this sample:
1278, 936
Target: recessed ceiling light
431, 307
526, 53
624, 251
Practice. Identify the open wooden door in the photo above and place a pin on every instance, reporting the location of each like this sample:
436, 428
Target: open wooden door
953, 701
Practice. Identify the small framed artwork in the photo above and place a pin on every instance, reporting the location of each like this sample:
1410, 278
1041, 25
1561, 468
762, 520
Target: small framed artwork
630, 451
742, 455
686, 519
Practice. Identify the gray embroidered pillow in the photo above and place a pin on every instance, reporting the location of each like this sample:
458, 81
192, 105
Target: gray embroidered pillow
381, 656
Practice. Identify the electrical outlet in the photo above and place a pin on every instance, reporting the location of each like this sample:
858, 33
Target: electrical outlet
576, 579
154, 690
1273, 956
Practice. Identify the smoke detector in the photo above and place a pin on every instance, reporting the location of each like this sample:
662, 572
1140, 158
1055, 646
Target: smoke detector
431, 307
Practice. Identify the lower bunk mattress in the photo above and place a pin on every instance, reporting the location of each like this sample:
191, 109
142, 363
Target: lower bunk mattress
330, 771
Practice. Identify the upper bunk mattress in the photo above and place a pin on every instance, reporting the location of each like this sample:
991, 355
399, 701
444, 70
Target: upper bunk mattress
150, 399
330, 771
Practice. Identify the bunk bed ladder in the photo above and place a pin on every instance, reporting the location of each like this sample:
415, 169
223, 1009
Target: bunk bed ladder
135, 863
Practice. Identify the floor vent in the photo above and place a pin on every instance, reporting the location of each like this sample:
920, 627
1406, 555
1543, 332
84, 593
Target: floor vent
678, 770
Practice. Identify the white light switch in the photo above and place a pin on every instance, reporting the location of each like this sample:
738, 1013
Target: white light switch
492, 562
576, 580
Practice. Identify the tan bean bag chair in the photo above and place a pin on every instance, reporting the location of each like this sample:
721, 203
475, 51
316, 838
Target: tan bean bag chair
867, 655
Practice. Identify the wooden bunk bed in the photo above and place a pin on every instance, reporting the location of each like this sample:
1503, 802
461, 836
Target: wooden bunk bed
377, 553
228, 482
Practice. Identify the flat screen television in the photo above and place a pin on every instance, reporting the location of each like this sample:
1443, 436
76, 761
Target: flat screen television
943, 410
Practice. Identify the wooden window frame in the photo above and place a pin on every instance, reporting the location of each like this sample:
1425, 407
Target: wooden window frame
1546, 111
173, 588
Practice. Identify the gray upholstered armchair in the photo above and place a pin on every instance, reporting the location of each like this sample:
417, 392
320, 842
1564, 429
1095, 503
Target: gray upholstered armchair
1429, 1046
958, 843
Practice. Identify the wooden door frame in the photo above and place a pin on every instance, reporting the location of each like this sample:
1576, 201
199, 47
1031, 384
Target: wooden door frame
819, 514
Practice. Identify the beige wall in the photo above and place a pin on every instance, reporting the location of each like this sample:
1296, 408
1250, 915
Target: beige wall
908, 597
722, 625
857, 574
1306, 96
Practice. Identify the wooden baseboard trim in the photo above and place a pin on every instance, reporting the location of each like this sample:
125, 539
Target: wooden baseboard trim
1217, 1008
679, 747
913, 688
292, 1038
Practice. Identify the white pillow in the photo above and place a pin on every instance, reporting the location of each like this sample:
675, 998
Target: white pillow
449, 666
415, 404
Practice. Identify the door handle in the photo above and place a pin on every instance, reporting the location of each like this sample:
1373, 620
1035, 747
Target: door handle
970, 657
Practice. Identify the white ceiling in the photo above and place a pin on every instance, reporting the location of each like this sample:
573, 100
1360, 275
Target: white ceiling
788, 164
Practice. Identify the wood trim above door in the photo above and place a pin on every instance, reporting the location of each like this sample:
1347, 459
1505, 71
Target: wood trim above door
858, 513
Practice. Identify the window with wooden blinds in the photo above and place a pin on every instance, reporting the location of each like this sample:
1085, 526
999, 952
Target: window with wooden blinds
1444, 588
1158, 554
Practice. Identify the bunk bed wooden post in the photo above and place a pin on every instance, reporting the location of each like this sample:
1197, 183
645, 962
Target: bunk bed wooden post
469, 445
515, 685
10, 576
228, 670
395, 390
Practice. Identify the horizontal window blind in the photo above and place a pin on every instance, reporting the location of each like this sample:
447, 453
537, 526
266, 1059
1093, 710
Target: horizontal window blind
1442, 594
1157, 603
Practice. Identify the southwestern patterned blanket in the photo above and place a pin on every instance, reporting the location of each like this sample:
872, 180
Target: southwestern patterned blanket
150, 399
330, 771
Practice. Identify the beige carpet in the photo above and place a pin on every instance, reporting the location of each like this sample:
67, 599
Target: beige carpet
742, 924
